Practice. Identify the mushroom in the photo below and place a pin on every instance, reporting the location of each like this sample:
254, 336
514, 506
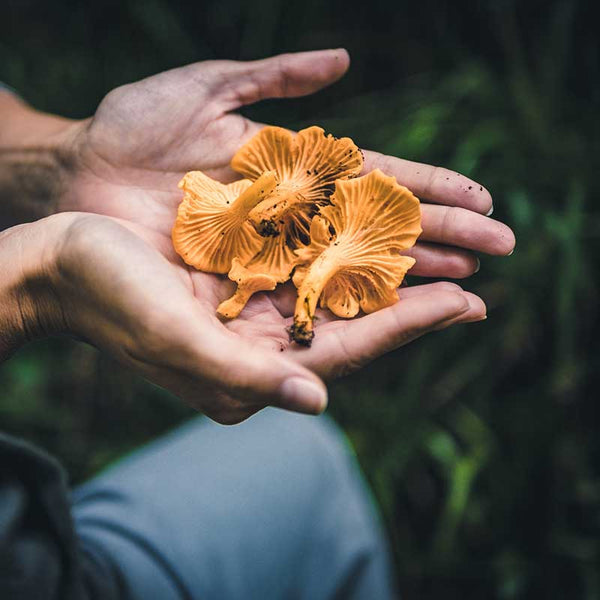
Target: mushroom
307, 165
272, 265
212, 226
248, 283
353, 261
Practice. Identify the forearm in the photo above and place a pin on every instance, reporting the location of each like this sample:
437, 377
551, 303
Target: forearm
35, 160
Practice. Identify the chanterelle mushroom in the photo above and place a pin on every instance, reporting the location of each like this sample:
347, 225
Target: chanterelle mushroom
272, 265
212, 225
248, 283
307, 165
353, 261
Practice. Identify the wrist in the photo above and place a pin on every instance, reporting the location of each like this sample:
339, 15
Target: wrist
37, 153
29, 307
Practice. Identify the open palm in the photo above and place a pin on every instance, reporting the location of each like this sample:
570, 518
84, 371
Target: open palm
145, 136
154, 314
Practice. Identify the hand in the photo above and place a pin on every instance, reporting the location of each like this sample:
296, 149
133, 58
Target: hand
145, 136
121, 287
129, 157
126, 162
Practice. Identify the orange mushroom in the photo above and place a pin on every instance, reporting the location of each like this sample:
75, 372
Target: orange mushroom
353, 261
212, 226
248, 283
307, 165
272, 265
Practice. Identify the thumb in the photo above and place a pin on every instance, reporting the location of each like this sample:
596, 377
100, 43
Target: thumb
252, 375
282, 76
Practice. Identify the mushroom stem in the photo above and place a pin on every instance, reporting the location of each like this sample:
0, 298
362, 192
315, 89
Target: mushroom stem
267, 217
309, 292
255, 194
232, 307
248, 283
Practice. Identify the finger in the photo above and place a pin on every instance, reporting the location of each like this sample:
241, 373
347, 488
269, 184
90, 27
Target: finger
283, 76
324, 316
464, 228
284, 297
434, 184
442, 261
428, 288
349, 345
477, 312
254, 376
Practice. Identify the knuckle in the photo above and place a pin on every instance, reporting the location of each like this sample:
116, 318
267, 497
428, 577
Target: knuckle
457, 303
388, 164
434, 175
283, 75
348, 362
447, 286
449, 222
402, 334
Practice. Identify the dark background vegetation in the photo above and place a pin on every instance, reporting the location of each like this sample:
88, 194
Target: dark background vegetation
481, 442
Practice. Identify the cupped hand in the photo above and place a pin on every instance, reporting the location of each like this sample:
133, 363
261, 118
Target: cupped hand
128, 159
127, 162
120, 287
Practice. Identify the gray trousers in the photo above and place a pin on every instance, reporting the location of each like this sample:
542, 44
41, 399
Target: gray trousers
273, 508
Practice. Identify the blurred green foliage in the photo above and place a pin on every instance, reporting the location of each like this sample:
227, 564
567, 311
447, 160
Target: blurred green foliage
481, 442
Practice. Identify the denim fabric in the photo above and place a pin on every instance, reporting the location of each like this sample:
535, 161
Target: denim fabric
275, 507
7, 88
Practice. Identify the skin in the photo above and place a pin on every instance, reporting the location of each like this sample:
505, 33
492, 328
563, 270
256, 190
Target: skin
115, 280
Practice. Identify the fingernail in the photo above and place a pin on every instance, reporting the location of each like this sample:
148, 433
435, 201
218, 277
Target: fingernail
511, 252
477, 267
475, 320
490, 212
303, 395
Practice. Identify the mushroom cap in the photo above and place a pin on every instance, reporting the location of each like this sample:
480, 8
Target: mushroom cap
277, 257
307, 162
211, 228
307, 165
354, 260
